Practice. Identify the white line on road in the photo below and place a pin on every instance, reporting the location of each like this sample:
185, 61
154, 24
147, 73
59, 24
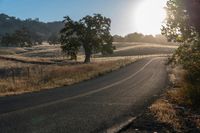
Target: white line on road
87, 93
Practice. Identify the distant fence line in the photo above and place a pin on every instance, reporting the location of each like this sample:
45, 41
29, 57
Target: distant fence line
24, 61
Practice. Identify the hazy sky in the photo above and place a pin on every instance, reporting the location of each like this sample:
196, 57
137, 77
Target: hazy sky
120, 11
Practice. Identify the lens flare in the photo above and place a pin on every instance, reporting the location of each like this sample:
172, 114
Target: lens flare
149, 16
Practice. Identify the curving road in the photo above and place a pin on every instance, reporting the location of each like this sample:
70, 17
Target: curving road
90, 106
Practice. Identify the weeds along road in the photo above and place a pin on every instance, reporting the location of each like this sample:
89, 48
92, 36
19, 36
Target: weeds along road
90, 106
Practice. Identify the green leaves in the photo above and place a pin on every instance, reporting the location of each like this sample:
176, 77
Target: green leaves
70, 42
182, 25
20, 38
91, 32
178, 28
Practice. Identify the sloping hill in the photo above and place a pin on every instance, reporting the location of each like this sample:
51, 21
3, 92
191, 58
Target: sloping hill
10, 24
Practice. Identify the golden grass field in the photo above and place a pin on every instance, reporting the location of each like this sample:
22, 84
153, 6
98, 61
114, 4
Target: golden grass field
38, 77
43, 67
134, 49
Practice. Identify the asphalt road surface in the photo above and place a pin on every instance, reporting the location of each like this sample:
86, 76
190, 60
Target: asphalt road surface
90, 106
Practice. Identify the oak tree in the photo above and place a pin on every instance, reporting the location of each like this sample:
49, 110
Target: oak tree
92, 33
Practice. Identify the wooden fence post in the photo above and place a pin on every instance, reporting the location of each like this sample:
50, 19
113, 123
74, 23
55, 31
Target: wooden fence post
13, 76
28, 73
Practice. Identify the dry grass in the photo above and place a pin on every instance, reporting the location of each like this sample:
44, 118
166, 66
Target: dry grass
38, 77
6, 52
164, 109
63, 59
134, 49
18, 74
165, 113
197, 121
5, 64
177, 77
11, 50
145, 46
173, 107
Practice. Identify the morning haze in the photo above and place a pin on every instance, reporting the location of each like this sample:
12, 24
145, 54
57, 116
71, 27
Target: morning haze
99, 66
53, 10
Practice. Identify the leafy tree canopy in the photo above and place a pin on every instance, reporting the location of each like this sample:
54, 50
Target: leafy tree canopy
39, 31
138, 37
91, 32
182, 25
21, 38
179, 27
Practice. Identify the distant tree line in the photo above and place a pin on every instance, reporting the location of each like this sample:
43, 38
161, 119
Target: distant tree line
20, 38
18, 33
24, 38
138, 37
12, 28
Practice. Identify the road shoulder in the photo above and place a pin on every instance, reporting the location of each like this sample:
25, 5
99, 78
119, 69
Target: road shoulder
166, 115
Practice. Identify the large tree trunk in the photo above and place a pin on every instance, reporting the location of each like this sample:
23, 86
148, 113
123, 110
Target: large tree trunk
87, 57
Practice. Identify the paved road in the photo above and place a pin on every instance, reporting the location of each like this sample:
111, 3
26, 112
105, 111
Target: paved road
90, 106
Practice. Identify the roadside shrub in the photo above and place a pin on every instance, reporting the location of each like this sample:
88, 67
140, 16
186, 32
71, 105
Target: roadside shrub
188, 55
193, 93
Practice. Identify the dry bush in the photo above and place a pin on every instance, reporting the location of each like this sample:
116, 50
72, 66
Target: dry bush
165, 113
183, 92
175, 106
178, 93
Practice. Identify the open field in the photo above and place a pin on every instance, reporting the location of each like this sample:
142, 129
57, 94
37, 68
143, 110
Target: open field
127, 44
53, 54
143, 51
22, 77
134, 49
11, 50
45, 66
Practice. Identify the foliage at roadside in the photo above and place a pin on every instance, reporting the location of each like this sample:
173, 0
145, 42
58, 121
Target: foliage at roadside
175, 108
182, 27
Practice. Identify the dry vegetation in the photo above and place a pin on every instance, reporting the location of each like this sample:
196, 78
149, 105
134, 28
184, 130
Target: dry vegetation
165, 113
134, 49
145, 45
44, 66
50, 54
21, 78
175, 107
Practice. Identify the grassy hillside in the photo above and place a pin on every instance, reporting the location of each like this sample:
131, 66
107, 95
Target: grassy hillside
134, 49
37, 28
45, 66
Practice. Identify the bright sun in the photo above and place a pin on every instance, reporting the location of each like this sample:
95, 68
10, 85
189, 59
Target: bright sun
149, 16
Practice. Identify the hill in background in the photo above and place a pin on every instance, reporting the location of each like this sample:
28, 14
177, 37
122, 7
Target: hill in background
138, 37
36, 28
41, 31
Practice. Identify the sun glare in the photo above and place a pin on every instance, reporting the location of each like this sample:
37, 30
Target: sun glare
149, 16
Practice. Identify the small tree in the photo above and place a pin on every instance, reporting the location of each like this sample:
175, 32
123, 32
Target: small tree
22, 38
54, 39
6, 40
180, 28
182, 25
91, 32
